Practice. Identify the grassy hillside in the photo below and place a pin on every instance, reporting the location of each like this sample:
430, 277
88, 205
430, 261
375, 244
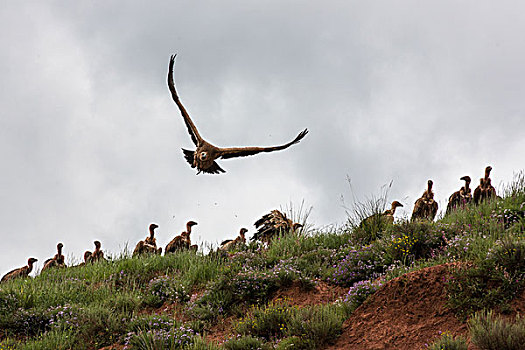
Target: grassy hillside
180, 301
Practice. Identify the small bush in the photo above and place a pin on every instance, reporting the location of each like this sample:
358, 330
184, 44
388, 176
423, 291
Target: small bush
319, 324
448, 342
493, 333
153, 339
358, 293
295, 343
492, 281
510, 255
165, 289
475, 288
315, 326
266, 322
358, 265
245, 343
412, 241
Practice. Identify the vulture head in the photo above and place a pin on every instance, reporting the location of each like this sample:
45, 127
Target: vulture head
296, 226
31, 261
87, 255
189, 225
97, 244
396, 204
243, 231
466, 179
487, 171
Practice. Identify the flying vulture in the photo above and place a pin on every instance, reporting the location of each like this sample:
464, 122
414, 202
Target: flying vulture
203, 158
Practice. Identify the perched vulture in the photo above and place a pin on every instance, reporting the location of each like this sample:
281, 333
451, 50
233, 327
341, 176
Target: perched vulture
270, 225
478, 190
485, 190
20, 272
149, 245
460, 198
57, 260
232, 243
387, 216
87, 258
182, 241
98, 254
425, 207
203, 158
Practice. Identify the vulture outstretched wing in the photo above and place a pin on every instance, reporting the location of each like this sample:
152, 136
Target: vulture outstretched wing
250, 151
192, 130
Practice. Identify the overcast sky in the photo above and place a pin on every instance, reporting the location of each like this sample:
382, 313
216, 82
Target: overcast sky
90, 140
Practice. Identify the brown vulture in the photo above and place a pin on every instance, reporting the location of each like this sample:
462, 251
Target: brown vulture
87, 258
478, 190
425, 207
460, 198
20, 272
387, 215
231, 243
485, 190
271, 225
57, 260
181, 241
203, 158
98, 254
148, 245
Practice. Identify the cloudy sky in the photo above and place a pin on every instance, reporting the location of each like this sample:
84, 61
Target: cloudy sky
90, 140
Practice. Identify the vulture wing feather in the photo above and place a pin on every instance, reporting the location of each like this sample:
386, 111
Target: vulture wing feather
192, 130
233, 152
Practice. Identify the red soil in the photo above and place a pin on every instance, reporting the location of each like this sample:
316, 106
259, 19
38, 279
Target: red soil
406, 313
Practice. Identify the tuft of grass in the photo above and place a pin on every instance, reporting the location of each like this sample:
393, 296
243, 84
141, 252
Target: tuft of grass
246, 343
364, 220
316, 325
448, 342
489, 332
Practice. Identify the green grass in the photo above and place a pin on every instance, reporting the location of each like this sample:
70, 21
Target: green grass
490, 332
116, 301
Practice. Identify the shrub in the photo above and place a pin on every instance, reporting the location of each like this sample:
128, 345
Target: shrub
295, 343
152, 339
359, 292
478, 287
448, 342
268, 321
493, 281
358, 265
245, 343
165, 289
510, 255
317, 325
493, 333
412, 241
